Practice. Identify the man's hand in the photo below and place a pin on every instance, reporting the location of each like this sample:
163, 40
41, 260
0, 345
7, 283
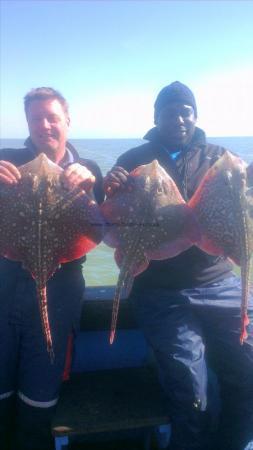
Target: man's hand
9, 174
78, 175
116, 179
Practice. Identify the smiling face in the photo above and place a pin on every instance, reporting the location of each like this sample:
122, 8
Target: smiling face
48, 125
176, 124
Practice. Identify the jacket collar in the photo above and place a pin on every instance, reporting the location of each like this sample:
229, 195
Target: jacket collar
199, 138
70, 156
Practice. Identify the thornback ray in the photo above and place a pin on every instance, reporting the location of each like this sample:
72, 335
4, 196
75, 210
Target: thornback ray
152, 221
42, 224
222, 205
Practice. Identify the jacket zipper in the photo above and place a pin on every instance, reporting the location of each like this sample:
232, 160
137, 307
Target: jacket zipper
185, 176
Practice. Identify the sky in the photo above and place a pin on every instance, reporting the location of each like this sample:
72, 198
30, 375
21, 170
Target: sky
111, 58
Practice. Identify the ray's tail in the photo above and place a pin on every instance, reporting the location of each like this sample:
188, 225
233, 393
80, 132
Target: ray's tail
245, 277
42, 298
245, 263
124, 284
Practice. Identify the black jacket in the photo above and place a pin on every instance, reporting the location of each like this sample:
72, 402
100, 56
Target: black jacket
192, 267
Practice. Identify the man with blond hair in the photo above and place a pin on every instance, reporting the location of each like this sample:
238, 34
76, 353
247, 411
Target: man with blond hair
29, 382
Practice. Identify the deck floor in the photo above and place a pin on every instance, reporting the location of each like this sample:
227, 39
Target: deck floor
111, 445
133, 440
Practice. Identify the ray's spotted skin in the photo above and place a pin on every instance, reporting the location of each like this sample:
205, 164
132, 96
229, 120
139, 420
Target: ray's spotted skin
152, 221
223, 205
43, 224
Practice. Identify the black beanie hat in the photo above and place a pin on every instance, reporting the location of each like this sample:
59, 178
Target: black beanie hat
175, 92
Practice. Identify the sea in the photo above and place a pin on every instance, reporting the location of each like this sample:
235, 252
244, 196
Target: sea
100, 268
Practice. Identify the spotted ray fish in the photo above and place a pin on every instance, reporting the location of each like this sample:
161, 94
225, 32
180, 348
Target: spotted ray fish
224, 208
42, 224
150, 222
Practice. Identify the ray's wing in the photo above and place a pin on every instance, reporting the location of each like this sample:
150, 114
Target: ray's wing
222, 209
42, 225
150, 222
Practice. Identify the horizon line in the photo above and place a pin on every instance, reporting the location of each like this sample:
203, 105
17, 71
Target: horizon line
127, 138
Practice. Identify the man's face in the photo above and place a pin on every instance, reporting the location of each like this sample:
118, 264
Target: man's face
48, 126
176, 124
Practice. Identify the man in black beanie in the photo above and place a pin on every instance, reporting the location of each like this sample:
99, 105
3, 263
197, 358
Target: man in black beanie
182, 302
175, 92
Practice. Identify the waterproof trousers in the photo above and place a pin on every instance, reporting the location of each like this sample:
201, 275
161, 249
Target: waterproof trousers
29, 380
191, 331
